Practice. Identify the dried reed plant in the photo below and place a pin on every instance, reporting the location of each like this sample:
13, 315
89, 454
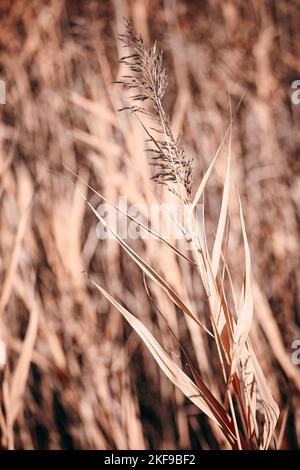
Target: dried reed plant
247, 413
76, 375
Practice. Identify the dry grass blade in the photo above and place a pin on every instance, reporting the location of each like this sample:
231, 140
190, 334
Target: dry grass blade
207, 173
202, 398
269, 405
217, 248
246, 313
8, 281
147, 269
21, 371
137, 222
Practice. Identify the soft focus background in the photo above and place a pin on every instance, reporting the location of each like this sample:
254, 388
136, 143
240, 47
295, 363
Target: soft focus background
76, 376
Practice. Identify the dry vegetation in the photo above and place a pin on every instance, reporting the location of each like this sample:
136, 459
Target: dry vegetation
77, 375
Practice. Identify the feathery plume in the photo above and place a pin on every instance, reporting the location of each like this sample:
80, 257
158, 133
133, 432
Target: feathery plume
148, 76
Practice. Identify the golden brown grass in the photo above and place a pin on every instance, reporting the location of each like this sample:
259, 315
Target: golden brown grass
77, 376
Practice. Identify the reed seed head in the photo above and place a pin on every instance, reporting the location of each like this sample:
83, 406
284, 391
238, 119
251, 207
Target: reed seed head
148, 77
